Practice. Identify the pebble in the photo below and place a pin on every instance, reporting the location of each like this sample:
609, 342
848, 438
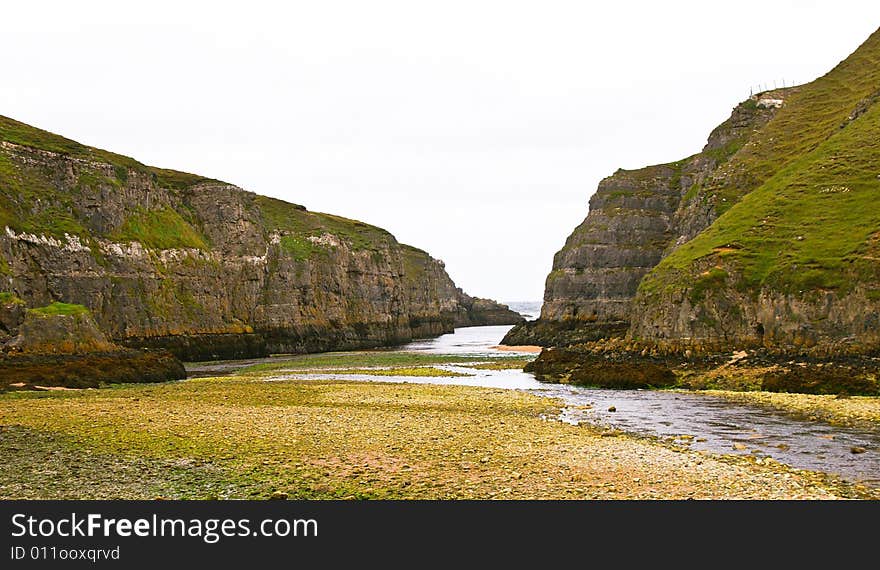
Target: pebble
612, 409
857, 449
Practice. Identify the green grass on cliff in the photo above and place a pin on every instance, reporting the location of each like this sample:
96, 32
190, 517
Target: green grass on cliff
56, 309
415, 264
298, 247
20, 188
7, 298
811, 115
813, 221
175, 179
160, 229
34, 200
296, 220
22, 134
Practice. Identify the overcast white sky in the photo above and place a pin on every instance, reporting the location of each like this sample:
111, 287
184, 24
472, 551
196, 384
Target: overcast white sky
475, 130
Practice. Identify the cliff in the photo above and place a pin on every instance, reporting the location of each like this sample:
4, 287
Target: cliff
766, 238
635, 218
791, 260
164, 259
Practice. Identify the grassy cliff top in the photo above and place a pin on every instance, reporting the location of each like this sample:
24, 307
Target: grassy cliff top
293, 218
23, 134
164, 226
804, 213
810, 115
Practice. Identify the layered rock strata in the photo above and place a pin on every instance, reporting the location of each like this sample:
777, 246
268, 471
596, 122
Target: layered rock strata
205, 269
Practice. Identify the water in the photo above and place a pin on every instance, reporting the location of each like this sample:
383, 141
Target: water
714, 424
478, 341
531, 310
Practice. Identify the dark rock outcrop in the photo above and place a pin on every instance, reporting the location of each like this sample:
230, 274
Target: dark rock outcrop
571, 365
61, 345
477, 312
626, 364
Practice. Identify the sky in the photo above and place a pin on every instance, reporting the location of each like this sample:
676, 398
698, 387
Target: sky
474, 130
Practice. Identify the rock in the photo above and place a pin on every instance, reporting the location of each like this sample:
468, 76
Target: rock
12, 312
612, 409
278, 496
857, 449
60, 329
475, 312
597, 367
650, 263
61, 347
739, 446
207, 270
635, 217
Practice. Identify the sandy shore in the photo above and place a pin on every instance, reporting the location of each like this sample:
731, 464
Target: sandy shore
531, 349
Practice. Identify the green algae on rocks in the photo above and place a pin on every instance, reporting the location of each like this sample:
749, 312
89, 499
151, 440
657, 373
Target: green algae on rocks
245, 438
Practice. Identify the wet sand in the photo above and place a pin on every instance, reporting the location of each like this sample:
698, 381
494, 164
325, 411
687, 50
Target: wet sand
531, 349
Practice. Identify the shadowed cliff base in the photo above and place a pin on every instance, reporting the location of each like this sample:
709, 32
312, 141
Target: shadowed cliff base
60, 345
629, 364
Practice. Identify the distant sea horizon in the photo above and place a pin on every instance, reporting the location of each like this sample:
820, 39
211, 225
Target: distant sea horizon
531, 310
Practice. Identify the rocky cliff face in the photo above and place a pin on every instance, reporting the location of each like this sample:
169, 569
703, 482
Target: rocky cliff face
635, 218
790, 261
767, 237
752, 265
204, 268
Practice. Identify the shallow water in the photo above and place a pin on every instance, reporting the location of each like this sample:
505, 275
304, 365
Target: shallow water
715, 424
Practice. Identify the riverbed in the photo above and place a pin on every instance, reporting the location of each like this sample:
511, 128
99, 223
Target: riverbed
699, 420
